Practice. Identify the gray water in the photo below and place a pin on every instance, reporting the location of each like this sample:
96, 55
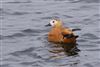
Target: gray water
23, 35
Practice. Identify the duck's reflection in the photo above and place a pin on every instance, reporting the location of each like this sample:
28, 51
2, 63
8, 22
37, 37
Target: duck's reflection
68, 49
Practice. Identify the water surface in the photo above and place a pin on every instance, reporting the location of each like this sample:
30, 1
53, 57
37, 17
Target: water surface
23, 35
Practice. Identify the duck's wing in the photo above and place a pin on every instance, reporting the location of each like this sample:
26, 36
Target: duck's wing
68, 33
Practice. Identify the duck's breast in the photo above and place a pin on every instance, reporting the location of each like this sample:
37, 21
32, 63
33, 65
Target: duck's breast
55, 35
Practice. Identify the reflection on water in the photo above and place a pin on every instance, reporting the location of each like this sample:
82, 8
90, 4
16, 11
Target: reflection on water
23, 35
63, 48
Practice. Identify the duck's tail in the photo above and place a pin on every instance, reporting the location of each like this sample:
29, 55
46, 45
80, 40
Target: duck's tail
76, 29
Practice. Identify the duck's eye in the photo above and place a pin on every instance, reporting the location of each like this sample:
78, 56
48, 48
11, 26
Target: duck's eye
53, 21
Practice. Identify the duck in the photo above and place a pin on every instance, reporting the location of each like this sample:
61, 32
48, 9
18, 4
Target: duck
63, 35
60, 34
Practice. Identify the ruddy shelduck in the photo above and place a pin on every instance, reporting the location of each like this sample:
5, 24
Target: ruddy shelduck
60, 34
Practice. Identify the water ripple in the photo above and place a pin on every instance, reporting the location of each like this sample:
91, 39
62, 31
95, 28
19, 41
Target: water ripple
38, 12
82, 40
90, 36
12, 36
23, 33
24, 52
88, 65
31, 31
5, 65
86, 19
93, 49
67, 16
17, 2
49, 17
9, 12
18, 13
97, 15
27, 63
90, 1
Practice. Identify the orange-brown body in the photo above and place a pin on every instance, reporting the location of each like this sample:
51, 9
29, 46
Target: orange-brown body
56, 35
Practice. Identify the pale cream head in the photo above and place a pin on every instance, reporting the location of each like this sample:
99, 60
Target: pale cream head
55, 23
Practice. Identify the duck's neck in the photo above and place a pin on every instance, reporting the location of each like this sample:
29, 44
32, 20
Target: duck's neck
58, 26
